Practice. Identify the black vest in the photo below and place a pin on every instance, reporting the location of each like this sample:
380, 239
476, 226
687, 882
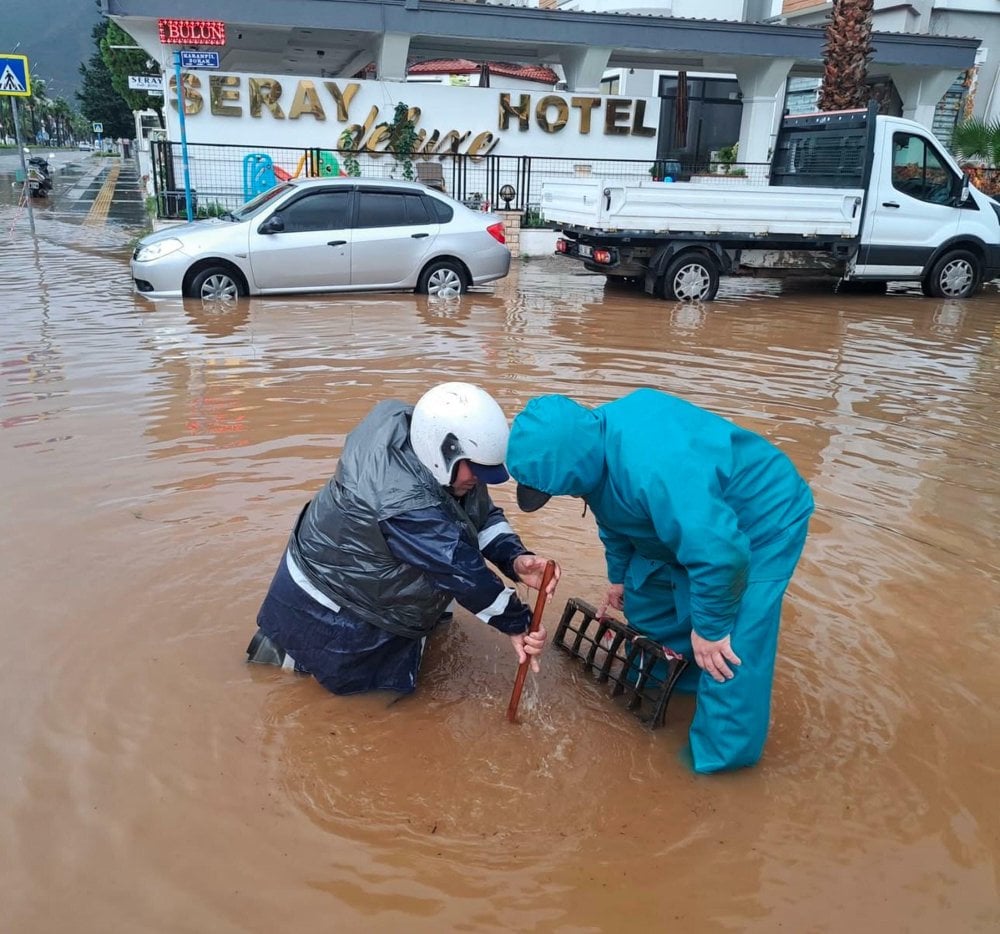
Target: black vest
337, 541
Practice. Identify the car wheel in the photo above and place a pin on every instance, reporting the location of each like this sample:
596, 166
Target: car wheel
217, 283
955, 275
691, 277
443, 277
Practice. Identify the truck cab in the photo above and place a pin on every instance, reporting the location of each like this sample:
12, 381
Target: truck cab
921, 219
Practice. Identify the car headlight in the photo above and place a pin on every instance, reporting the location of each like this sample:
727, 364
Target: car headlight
155, 250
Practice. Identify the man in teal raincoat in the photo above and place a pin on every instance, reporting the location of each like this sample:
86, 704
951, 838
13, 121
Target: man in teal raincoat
702, 522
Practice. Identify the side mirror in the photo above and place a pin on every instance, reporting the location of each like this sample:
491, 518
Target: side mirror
274, 224
963, 193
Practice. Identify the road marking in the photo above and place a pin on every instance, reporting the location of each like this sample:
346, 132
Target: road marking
98, 213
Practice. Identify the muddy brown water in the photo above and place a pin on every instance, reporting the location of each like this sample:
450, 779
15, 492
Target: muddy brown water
153, 459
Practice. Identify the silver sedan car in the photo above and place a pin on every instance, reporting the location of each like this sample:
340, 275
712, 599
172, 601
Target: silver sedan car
327, 235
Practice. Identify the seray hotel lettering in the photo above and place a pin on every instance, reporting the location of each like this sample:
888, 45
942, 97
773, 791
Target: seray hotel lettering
234, 96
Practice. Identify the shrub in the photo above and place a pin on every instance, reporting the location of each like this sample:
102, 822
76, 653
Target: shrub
212, 209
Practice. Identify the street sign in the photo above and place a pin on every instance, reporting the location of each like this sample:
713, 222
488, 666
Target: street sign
199, 60
15, 79
145, 83
98, 128
190, 32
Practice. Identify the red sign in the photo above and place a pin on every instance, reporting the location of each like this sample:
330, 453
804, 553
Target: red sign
192, 32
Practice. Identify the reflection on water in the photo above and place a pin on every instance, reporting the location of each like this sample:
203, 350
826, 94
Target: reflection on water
154, 457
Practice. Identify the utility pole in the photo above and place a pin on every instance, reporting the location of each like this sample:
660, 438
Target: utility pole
24, 167
15, 82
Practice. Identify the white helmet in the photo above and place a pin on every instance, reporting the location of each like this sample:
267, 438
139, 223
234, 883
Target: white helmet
459, 421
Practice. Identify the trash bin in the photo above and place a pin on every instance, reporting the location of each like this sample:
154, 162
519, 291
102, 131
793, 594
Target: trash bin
174, 204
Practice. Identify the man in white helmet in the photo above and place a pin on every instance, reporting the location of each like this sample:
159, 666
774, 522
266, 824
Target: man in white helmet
404, 527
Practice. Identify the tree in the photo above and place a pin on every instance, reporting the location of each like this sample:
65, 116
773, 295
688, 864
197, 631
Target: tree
978, 139
6, 119
61, 114
79, 125
846, 54
34, 110
99, 101
122, 61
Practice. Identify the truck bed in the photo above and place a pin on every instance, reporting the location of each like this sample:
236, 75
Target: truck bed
689, 207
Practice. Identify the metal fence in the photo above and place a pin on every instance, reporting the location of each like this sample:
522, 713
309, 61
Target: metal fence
224, 177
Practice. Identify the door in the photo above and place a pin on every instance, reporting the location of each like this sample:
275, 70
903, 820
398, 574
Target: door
914, 209
393, 232
309, 248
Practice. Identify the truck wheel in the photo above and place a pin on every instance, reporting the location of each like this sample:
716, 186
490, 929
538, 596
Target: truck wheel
955, 275
691, 277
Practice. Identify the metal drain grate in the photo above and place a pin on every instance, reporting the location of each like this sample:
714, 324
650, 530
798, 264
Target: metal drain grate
640, 673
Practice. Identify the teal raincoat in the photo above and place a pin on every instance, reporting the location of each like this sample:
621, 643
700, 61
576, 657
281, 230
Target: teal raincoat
702, 521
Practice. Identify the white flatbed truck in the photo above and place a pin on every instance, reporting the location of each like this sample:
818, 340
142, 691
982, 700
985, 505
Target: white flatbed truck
860, 197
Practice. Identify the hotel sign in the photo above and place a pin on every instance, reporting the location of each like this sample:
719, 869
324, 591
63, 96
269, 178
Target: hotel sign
283, 104
145, 83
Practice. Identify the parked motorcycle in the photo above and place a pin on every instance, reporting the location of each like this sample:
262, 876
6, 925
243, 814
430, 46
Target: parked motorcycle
39, 176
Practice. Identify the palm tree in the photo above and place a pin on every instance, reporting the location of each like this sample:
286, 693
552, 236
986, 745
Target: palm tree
845, 56
61, 113
37, 103
978, 139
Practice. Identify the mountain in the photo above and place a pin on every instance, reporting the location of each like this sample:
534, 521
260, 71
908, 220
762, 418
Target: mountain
55, 35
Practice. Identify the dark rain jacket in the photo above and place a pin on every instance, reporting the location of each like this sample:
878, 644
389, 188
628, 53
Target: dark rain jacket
387, 543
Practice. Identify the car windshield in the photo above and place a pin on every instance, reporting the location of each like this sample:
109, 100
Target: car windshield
255, 205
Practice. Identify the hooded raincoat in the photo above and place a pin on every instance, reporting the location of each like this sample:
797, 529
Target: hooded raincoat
702, 522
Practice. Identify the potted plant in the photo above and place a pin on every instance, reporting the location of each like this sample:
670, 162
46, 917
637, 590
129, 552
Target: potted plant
727, 156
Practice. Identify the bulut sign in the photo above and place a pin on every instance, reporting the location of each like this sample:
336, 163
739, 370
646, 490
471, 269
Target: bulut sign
259, 97
192, 32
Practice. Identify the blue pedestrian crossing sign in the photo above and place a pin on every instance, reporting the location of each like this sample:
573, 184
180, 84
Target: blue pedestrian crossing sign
15, 80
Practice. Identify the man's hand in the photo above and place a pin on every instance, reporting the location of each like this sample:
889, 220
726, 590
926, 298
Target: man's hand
614, 598
529, 645
712, 656
529, 570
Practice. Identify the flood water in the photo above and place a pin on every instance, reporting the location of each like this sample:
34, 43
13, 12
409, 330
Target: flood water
153, 458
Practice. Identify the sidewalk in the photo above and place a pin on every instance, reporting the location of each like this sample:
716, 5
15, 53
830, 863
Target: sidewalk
107, 190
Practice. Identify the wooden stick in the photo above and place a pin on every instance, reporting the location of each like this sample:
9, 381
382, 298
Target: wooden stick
536, 621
